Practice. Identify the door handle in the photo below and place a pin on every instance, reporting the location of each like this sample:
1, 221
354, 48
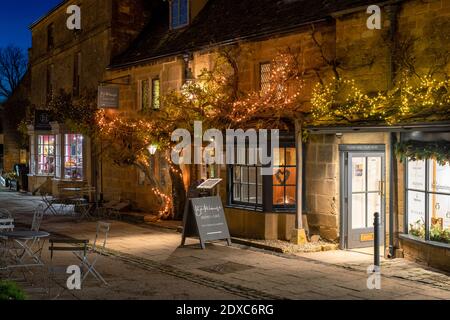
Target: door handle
381, 187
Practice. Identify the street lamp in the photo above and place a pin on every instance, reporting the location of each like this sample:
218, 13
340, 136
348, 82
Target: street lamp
152, 149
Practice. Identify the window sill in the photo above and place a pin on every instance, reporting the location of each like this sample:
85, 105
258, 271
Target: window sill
69, 180
42, 175
408, 237
244, 207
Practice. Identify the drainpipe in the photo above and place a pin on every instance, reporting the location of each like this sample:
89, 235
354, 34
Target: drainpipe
392, 13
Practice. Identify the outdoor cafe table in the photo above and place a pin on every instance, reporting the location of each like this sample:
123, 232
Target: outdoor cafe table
27, 241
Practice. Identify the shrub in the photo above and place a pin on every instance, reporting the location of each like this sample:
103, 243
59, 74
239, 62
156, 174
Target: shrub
11, 291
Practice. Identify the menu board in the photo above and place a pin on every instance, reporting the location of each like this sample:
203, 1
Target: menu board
205, 218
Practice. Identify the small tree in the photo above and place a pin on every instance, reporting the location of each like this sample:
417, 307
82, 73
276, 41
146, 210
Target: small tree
13, 64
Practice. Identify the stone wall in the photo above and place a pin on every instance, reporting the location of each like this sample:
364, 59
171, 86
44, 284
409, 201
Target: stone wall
322, 186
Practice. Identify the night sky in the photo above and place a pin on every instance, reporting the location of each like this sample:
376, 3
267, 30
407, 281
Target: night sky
17, 15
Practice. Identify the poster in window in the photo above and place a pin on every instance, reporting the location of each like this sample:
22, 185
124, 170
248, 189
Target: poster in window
416, 175
416, 213
439, 205
439, 177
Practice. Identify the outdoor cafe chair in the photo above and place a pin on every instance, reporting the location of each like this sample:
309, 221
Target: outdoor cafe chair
98, 249
49, 203
32, 245
88, 257
6, 224
23, 248
63, 245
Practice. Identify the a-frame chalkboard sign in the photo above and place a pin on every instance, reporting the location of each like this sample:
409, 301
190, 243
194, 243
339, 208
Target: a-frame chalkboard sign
204, 218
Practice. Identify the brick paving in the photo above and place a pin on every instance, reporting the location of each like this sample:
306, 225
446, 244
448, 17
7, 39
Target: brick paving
244, 272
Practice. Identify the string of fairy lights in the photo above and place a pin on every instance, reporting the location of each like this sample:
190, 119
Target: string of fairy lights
342, 100
337, 101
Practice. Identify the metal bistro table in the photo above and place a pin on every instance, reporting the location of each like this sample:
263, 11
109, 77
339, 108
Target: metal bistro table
29, 247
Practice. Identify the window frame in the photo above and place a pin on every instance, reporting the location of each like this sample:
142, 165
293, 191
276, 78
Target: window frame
260, 73
188, 15
65, 156
39, 154
427, 193
76, 74
267, 205
286, 207
152, 93
50, 36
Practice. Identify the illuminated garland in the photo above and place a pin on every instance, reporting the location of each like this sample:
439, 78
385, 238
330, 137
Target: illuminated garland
342, 102
420, 150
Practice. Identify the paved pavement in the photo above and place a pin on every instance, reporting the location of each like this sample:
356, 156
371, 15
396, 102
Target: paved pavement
238, 271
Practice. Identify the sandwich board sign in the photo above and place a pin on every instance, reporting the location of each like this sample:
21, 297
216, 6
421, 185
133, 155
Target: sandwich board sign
205, 218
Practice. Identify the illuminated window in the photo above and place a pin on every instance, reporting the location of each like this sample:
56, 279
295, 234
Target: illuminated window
73, 156
156, 94
46, 155
284, 178
179, 13
428, 200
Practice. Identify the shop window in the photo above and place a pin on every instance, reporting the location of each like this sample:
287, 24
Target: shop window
284, 178
246, 181
73, 156
428, 200
179, 13
46, 155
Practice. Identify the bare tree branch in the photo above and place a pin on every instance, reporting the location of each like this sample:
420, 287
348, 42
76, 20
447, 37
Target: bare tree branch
13, 65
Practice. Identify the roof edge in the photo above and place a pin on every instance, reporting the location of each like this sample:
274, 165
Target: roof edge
39, 20
217, 44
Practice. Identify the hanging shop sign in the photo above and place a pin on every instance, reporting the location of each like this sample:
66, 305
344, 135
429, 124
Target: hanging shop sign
42, 119
108, 97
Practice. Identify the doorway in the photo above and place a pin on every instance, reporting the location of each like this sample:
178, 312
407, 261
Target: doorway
362, 194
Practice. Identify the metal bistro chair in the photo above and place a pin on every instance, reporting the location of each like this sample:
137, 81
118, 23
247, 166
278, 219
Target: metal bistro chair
6, 224
82, 252
98, 249
49, 204
36, 243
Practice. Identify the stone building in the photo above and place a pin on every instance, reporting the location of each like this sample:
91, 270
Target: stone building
73, 61
13, 111
183, 38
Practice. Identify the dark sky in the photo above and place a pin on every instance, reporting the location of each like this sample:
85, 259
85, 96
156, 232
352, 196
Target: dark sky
17, 15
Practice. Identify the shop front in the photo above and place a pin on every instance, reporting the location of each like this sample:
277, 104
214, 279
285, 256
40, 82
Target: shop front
262, 206
57, 156
401, 172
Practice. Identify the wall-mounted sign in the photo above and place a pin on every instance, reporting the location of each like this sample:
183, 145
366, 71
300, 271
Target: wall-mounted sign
42, 119
205, 218
108, 97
